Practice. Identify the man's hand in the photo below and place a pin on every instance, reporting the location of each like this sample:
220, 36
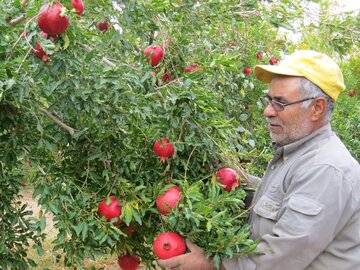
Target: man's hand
195, 259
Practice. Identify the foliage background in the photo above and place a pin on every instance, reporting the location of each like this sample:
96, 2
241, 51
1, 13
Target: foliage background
109, 110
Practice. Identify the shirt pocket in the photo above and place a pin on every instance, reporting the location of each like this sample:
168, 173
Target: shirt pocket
305, 206
301, 215
267, 207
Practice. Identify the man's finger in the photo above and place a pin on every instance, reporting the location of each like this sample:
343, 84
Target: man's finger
173, 262
192, 247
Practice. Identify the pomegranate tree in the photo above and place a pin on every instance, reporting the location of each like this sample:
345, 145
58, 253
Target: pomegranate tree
168, 201
227, 177
110, 208
129, 262
169, 244
164, 149
51, 19
155, 54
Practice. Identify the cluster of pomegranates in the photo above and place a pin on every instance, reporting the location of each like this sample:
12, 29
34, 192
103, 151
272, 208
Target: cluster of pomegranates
154, 55
53, 21
166, 244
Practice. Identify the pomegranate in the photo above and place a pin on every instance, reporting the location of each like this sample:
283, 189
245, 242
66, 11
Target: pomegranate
39, 51
51, 20
352, 93
111, 210
128, 262
191, 68
78, 5
166, 77
23, 184
247, 71
169, 244
129, 230
168, 201
227, 177
273, 61
163, 148
103, 26
259, 56
156, 54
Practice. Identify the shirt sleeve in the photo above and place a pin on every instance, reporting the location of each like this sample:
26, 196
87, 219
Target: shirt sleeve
314, 204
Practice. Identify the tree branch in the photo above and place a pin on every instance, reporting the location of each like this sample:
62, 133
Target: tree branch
17, 20
104, 59
58, 122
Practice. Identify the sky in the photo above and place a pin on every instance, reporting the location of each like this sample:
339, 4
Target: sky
350, 5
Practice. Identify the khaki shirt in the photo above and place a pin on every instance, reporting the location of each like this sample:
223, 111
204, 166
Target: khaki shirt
306, 210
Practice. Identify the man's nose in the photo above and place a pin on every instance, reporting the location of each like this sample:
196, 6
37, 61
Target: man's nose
269, 111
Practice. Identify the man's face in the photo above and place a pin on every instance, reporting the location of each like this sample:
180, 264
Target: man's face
293, 123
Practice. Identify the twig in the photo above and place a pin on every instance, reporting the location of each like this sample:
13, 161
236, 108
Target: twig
187, 162
17, 20
58, 122
104, 59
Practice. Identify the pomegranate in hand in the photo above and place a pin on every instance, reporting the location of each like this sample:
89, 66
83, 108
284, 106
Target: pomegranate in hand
227, 177
169, 244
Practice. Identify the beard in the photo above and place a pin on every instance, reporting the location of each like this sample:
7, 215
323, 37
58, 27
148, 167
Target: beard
290, 131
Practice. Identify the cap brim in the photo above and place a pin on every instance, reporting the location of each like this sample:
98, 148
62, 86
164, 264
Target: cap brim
265, 73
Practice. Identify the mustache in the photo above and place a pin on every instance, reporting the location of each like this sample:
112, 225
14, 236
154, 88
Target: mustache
273, 122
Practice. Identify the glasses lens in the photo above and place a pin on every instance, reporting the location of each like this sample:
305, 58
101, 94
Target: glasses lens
277, 105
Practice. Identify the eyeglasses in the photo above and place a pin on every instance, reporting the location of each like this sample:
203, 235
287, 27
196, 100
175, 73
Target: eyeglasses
277, 105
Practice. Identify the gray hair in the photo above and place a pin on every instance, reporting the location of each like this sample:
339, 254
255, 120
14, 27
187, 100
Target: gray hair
309, 89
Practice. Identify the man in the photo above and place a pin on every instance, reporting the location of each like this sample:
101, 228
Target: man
306, 210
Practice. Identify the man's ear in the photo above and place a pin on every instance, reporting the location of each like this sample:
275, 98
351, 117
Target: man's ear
319, 108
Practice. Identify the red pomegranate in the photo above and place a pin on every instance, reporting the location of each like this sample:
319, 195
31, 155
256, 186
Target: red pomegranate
128, 262
51, 20
169, 244
78, 5
111, 210
259, 56
39, 51
103, 26
273, 61
247, 71
191, 68
166, 77
227, 177
163, 148
168, 201
156, 54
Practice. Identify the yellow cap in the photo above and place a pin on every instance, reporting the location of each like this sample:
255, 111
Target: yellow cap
316, 67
